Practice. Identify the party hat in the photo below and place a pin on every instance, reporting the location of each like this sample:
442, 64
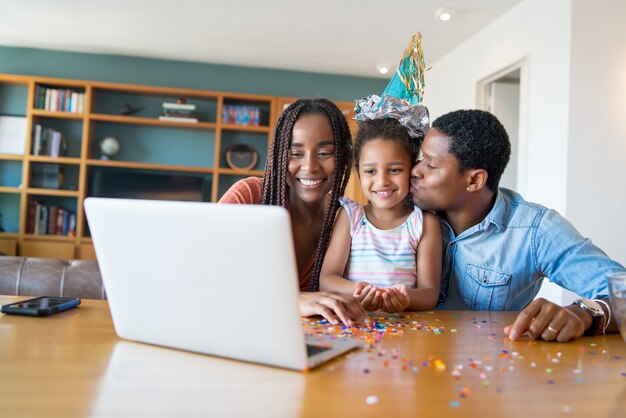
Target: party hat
403, 95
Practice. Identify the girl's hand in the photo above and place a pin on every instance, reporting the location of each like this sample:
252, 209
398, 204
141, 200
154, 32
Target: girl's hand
396, 299
358, 289
370, 297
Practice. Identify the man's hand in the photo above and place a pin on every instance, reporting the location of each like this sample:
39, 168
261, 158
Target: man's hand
544, 320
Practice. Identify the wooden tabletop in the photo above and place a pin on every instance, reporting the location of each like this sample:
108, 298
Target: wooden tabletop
441, 363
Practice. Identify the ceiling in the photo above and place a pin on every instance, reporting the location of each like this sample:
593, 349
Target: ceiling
329, 36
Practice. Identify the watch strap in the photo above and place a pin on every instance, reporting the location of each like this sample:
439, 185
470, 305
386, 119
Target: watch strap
608, 316
598, 318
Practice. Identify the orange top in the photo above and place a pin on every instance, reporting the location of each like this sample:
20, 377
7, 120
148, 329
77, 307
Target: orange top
248, 192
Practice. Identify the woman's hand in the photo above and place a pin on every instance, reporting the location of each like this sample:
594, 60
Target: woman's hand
333, 307
396, 299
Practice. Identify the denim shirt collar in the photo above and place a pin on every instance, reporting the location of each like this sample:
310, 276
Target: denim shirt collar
497, 216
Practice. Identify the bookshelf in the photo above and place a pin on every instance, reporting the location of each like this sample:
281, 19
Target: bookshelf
157, 159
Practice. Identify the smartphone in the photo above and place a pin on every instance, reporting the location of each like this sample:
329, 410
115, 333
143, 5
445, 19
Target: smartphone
41, 306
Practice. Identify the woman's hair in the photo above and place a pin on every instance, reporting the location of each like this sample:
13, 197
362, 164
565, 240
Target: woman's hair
274, 191
387, 129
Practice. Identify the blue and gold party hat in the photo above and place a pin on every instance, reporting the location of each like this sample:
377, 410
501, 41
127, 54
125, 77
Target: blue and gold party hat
403, 95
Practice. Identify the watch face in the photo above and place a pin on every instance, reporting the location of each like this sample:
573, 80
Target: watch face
241, 157
591, 305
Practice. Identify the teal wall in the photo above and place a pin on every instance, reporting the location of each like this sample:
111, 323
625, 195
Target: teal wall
134, 70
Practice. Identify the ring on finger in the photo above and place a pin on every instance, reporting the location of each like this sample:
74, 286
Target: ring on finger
552, 329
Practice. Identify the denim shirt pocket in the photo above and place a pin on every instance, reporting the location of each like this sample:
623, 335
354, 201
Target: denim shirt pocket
485, 289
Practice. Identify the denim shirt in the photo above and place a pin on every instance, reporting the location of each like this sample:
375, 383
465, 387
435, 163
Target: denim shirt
500, 263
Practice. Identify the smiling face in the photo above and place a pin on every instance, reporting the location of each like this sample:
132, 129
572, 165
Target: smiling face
311, 158
384, 172
438, 183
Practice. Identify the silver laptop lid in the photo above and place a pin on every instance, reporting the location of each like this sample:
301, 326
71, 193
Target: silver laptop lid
214, 279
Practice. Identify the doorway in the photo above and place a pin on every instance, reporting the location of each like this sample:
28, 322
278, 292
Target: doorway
502, 94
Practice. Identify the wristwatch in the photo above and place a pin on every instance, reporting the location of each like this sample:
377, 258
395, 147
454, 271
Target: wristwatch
598, 323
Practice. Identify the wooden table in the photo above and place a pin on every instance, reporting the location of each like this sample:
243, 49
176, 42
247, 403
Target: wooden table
73, 364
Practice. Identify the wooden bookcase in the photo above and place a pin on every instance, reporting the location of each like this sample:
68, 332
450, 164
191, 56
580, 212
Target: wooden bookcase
157, 159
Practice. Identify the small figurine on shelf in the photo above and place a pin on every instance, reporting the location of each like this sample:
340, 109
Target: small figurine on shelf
109, 146
126, 109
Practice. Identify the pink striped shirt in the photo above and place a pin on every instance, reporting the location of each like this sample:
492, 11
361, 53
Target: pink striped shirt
382, 257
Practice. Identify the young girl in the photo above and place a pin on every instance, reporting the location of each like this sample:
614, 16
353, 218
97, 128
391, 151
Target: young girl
307, 169
388, 253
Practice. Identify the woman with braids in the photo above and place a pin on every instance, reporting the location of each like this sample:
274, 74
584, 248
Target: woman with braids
307, 170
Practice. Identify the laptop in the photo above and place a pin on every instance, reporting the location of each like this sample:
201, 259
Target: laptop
214, 279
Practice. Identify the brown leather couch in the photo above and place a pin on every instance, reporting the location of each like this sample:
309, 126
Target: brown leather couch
49, 277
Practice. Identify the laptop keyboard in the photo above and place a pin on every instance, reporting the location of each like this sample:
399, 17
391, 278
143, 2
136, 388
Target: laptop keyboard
311, 350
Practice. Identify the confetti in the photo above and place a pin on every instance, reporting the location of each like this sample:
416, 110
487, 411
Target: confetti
371, 400
454, 404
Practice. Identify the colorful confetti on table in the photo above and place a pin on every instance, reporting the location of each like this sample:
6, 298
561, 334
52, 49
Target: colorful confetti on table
381, 328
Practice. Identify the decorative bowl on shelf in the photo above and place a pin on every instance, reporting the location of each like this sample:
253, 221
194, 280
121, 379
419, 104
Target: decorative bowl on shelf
241, 157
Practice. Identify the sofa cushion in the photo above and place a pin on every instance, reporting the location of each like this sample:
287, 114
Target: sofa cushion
50, 277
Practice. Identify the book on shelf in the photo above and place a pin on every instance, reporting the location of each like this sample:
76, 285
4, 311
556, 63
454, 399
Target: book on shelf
179, 106
179, 113
53, 212
32, 215
59, 99
46, 176
13, 134
241, 115
178, 119
49, 142
50, 220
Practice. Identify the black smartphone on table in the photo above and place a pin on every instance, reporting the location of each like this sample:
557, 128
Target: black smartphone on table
41, 306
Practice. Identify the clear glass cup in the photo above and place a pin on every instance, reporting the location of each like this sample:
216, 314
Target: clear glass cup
617, 292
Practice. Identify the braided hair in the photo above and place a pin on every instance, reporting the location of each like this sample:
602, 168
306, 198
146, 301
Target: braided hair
274, 190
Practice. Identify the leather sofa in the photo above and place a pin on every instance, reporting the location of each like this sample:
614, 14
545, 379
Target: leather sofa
49, 277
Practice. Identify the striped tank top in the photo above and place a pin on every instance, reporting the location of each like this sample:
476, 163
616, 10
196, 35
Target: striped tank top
382, 257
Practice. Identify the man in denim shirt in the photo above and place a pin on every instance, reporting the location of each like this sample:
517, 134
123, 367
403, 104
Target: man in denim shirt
498, 247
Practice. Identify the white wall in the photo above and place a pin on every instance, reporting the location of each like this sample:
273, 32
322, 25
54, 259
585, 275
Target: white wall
596, 188
573, 132
539, 32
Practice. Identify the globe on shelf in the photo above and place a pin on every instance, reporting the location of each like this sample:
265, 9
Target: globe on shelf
109, 146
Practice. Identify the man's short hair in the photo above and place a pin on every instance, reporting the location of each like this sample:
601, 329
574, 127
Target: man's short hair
477, 140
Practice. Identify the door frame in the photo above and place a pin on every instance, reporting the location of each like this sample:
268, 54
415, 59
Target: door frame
482, 102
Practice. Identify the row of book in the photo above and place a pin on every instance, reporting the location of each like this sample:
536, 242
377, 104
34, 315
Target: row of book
179, 112
46, 176
59, 100
50, 220
241, 115
47, 141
